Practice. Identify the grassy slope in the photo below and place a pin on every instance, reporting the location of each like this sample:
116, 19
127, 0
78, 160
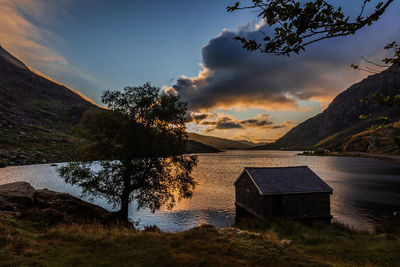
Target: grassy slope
27, 243
36, 115
386, 140
35, 144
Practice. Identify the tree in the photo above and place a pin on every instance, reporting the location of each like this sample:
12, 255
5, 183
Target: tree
297, 24
134, 150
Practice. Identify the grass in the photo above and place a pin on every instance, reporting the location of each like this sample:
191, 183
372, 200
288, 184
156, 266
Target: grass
257, 243
335, 243
36, 144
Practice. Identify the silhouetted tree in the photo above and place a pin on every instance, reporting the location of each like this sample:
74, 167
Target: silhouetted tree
296, 24
134, 150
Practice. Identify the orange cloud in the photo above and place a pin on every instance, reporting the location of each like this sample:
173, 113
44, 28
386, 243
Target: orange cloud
257, 129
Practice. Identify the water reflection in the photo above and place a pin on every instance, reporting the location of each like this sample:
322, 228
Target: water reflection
365, 190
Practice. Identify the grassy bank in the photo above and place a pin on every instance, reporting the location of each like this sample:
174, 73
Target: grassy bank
266, 243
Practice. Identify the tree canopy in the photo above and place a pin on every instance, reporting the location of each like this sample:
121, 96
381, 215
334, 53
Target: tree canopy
296, 24
134, 150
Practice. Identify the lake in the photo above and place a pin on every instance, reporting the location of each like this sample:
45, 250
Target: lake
365, 190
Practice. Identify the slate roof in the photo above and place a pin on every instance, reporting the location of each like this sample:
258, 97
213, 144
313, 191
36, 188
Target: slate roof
286, 180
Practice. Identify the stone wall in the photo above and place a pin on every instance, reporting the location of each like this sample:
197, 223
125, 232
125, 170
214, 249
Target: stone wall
247, 194
300, 205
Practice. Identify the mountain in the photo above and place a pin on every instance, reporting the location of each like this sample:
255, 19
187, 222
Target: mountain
249, 143
36, 115
340, 121
27, 99
197, 147
378, 141
218, 143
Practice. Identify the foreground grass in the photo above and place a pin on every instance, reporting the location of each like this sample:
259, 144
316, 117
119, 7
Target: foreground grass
259, 243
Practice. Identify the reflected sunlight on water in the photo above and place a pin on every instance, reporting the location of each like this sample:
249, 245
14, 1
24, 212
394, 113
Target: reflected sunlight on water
364, 189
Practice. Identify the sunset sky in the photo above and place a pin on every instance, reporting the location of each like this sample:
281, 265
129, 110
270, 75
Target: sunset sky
188, 46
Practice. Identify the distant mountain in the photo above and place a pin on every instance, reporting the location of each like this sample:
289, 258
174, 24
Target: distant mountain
197, 147
219, 143
340, 121
249, 143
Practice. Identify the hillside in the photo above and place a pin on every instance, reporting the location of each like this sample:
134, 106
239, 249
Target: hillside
383, 141
218, 143
340, 121
197, 147
36, 115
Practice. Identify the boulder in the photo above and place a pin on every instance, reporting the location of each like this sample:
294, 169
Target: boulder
22, 197
286, 242
18, 195
71, 206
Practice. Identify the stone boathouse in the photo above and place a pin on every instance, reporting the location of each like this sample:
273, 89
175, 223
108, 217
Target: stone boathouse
292, 192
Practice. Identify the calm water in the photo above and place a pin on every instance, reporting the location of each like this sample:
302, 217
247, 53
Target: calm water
365, 190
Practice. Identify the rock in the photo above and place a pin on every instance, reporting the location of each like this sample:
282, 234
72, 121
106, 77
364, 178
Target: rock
5, 205
18, 194
230, 229
22, 197
71, 206
286, 242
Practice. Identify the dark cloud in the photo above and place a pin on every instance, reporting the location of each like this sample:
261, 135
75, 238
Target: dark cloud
197, 117
232, 76
262, 121
256, 122
227, 123
200, 117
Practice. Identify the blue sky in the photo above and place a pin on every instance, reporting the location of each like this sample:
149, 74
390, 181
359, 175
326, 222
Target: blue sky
124, 43
94, 45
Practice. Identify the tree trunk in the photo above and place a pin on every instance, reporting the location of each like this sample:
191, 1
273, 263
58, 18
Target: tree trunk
126, 191
123, 212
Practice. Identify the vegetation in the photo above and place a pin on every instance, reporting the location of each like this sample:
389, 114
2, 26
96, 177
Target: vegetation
140, 142
297, 24
266, 243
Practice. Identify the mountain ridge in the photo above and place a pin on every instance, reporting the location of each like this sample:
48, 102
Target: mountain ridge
341, 118
37, 113
218, 143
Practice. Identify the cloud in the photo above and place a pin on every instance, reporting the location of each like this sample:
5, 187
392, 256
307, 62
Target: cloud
232, 77
222, 121
198, 117
262, 120
290, 124
260, 24
21, 36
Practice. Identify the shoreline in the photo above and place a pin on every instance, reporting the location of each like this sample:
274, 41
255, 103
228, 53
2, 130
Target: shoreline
385, 157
